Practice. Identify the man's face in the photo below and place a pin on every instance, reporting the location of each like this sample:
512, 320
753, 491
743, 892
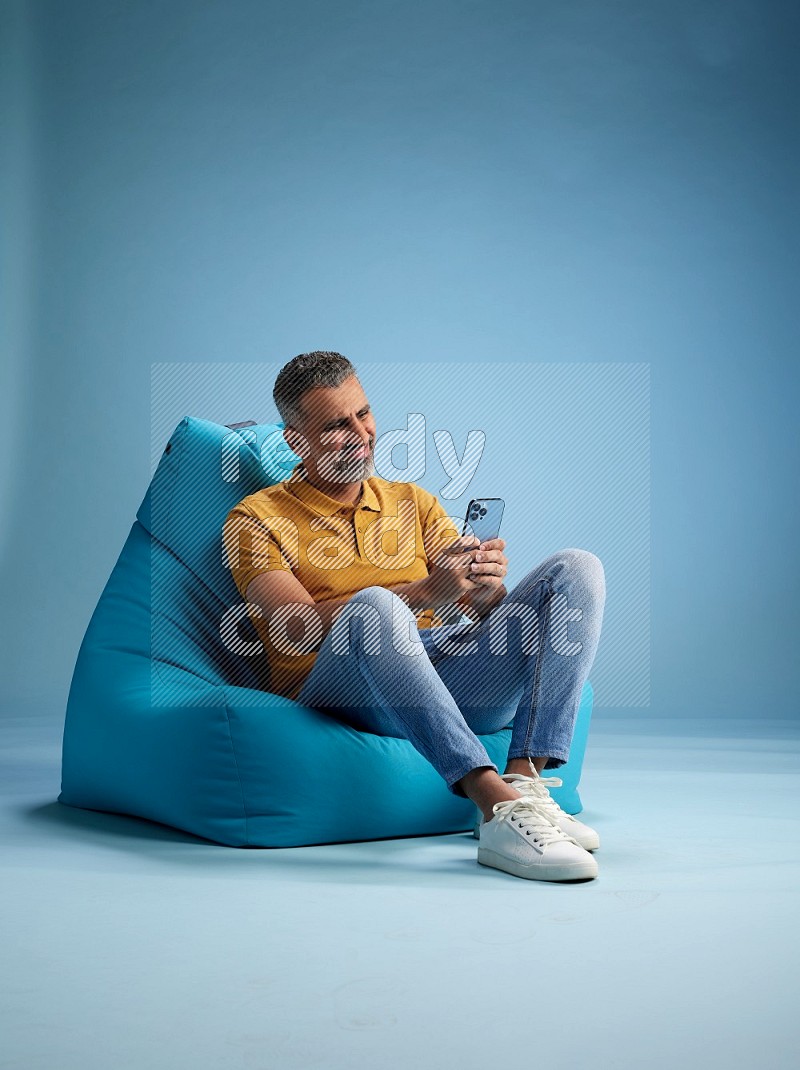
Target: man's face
339, 428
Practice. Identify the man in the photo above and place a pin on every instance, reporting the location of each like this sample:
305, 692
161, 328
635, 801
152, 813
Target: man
310, 556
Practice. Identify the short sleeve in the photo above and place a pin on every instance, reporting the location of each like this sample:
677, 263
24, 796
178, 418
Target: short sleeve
252, 546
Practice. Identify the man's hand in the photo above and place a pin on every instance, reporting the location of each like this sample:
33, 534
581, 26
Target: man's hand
450, 577
487, 571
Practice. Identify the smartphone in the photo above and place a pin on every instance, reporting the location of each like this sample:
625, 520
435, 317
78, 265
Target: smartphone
483, 518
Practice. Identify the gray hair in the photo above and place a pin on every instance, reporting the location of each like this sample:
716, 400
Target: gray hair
307, 370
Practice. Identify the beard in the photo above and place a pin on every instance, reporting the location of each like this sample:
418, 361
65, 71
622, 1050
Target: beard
358, 469
346, 469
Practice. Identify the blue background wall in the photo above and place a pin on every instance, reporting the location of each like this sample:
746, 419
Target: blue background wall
527, 182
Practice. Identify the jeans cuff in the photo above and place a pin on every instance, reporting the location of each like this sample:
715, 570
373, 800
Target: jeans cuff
556, 758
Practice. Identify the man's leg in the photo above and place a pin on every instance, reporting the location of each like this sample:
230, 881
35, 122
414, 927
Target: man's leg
520, 765
372, 671
520, 661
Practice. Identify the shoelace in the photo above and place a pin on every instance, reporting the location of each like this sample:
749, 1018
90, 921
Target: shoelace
538, 789
527, 813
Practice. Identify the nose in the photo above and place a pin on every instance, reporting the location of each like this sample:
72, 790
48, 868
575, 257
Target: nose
358, 440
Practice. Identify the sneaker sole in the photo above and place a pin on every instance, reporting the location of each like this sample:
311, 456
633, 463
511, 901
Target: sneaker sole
571, 871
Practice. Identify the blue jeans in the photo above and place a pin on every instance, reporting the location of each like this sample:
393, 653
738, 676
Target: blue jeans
438, 687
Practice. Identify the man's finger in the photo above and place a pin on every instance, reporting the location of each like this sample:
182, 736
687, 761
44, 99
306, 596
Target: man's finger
463, 544
494, 544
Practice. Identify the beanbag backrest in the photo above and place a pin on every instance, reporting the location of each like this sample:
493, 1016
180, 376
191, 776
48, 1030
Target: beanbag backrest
205, 469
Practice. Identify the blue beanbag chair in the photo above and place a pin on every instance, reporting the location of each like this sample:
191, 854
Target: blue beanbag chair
170, 717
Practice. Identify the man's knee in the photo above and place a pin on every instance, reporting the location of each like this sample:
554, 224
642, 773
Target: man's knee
576, 561
380, 599
590, 568
384, 617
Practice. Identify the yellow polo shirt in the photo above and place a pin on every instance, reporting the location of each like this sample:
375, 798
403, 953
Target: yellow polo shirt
334, 550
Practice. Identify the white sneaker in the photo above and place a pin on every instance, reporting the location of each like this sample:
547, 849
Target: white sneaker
536, 786
521, 839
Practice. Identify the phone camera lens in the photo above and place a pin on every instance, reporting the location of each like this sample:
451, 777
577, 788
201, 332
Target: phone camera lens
483, 512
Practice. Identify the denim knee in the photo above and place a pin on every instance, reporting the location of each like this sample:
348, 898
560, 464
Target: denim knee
382, 609
591, 568
582, 562
381, 598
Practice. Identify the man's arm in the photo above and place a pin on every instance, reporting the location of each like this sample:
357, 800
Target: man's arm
416, 594
263, 573
276, 590
476, 604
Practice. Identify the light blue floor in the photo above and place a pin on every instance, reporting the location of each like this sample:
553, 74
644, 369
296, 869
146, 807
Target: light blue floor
126, 945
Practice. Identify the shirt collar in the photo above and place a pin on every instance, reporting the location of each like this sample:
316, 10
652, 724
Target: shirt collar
298, 485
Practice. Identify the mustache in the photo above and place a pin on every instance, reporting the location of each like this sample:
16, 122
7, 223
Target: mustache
350, 450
